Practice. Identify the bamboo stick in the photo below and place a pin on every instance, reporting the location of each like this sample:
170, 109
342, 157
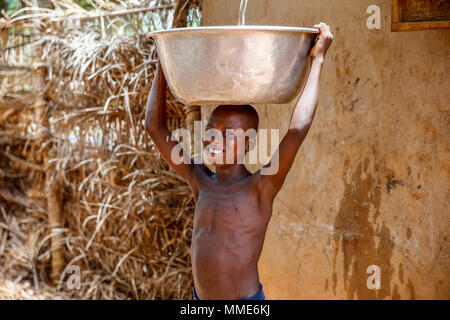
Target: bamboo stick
51, 185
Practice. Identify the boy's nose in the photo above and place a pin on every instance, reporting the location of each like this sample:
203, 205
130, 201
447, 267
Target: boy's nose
217, 145
216, 142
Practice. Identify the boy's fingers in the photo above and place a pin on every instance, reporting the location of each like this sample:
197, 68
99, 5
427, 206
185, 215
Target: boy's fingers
320, 28
323, 27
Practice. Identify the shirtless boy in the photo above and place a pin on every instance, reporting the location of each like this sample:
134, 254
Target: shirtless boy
233, 206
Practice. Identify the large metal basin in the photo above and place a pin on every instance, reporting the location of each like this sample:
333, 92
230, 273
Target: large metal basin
234, 65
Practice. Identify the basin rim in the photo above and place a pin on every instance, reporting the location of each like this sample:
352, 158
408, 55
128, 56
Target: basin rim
155, 34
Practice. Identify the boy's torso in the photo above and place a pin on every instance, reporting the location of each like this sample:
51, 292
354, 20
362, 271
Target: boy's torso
230, 223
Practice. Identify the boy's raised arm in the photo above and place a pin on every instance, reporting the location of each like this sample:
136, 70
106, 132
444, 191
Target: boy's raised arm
302, 115
155, 124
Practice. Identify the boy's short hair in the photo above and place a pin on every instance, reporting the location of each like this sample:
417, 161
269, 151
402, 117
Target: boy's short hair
244, 110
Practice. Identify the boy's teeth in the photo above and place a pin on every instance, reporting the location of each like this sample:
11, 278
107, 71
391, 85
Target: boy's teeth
215, 150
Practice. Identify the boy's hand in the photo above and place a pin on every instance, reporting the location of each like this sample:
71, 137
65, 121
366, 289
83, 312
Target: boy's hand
323, 42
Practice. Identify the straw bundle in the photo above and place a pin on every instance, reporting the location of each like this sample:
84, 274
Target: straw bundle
126, 217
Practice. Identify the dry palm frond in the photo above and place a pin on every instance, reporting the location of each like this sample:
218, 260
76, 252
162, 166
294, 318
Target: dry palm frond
127, 216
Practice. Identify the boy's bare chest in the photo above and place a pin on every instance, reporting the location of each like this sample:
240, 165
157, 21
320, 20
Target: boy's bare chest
229, 209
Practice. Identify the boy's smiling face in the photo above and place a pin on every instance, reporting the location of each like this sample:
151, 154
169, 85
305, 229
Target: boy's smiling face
225, 141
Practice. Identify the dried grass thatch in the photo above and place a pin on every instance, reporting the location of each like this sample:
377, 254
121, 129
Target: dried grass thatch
127, 218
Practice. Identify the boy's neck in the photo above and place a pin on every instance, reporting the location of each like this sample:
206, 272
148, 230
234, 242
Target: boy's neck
231, 173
